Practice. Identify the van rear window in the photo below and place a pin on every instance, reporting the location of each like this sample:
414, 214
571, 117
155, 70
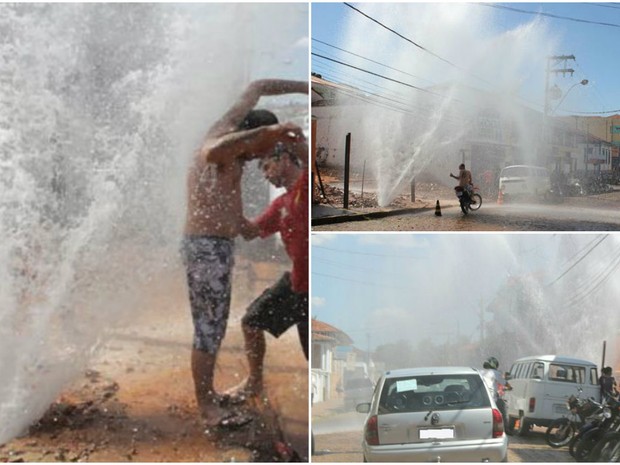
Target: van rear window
567, 373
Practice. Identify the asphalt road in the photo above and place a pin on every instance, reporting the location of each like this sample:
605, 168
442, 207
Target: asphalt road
346, 447
572, 215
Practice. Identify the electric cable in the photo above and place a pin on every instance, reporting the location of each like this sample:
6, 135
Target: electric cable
578, 261
549, 15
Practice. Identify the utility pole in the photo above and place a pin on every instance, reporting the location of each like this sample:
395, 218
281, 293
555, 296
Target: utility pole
481, 317
552, 61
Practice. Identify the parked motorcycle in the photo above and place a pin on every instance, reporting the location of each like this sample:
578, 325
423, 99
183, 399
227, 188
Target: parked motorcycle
468, 200
585, 448
562, 430
594, 421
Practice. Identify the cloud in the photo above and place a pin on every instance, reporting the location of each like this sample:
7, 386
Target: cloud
322, 239
411, 241
318, 301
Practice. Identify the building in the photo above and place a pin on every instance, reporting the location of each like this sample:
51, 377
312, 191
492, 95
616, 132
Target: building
449, 124
326, 371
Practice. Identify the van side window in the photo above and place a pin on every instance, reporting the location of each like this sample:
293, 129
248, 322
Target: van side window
538, 371
518, 370
567, 373
593, 376
526, 372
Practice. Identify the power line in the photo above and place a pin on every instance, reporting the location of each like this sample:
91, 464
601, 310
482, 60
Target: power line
578, 261
605, 5
414, 43
602, 277
377, 75
407, 104
502, 7
592, 112
371, 60
365, 283
355, 252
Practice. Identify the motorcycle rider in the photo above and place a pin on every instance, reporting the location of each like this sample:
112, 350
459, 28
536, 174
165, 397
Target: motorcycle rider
465, 181
496, 384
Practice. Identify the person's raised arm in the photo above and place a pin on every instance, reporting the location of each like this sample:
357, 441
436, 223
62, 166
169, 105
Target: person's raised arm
231, 120
255, 143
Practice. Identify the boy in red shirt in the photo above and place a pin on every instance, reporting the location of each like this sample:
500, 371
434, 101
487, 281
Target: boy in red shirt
286, 302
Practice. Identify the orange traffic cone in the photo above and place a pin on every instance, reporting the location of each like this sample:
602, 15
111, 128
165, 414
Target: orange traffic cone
500, 198
437, 209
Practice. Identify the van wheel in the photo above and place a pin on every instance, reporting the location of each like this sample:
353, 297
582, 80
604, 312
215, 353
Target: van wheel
521, 426
510, 426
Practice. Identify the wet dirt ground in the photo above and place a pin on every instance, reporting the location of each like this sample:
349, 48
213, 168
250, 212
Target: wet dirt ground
135, 400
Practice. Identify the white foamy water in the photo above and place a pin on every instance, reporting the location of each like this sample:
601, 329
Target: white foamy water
101, 106
426, 128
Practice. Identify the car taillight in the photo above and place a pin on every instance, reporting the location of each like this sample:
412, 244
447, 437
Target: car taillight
532, 404
498, 424
371, 431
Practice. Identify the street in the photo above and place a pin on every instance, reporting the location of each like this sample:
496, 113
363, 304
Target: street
574, 214
338, 437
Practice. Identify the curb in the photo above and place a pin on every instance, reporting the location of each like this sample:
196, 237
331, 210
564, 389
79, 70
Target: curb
366, 216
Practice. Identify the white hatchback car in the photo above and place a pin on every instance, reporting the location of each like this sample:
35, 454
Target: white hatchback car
436, 414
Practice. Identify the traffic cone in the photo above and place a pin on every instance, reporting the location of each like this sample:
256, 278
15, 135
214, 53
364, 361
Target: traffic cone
500, 198
437, 209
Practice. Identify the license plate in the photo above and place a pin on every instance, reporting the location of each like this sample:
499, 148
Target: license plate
437, 433
560, 408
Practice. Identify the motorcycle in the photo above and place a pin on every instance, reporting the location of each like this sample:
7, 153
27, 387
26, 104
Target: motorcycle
562, 430
586, 447
469, 200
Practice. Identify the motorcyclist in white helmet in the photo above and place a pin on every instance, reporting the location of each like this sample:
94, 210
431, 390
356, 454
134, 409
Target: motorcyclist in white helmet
496, 384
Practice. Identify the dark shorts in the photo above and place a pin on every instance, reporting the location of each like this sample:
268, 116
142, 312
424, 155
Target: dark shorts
209, 262
278, 308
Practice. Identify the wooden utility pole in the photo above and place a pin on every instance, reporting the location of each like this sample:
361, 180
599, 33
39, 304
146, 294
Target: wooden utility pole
347, 158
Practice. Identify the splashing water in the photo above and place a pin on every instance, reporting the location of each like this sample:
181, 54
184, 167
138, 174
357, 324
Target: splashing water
425, 129
100, 109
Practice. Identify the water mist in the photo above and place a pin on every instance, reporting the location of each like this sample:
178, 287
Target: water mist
100, 109
425, 130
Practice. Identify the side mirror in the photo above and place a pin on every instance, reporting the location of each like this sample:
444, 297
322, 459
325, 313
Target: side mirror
363, 408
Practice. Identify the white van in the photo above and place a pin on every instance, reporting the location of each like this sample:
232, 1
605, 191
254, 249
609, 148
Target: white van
524, 181
541, 386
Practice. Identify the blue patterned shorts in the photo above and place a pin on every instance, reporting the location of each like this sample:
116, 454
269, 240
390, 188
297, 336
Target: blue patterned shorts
209, 261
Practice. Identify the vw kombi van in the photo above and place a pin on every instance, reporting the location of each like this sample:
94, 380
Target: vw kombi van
541, 386
523, 181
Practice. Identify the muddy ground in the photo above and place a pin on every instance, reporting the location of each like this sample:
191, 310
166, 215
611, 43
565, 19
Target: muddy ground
135, 400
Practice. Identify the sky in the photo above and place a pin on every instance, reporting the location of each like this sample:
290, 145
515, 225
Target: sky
380, 288
456, 33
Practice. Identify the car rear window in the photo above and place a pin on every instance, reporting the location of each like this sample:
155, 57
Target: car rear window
436, 392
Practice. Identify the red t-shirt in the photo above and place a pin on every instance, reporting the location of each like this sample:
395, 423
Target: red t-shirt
288, 215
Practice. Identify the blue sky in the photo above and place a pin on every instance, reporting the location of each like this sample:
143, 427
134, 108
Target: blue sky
454, 33
411, 286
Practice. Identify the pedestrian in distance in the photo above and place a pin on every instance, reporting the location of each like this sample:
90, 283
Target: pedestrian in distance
214, 218
608, 384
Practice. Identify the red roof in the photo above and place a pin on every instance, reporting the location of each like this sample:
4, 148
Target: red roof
322, 331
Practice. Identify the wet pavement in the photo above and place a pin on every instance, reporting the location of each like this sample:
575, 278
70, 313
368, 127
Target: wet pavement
589, 213
338, 438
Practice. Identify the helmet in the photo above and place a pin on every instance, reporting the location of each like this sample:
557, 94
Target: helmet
493, 362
